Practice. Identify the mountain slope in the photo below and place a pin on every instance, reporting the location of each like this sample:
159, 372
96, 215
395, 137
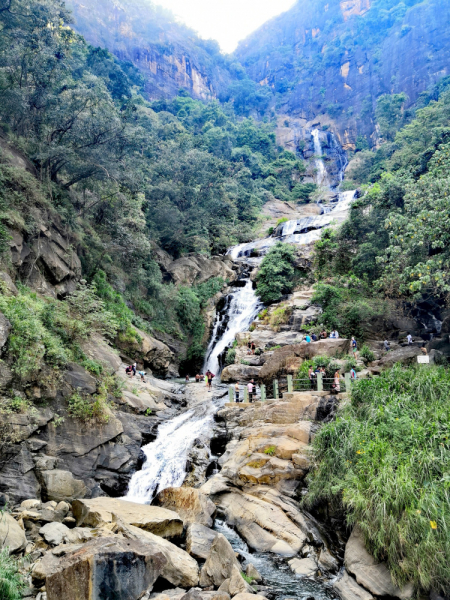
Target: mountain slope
336, 57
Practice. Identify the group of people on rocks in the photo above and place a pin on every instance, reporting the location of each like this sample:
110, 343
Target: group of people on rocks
251, 388
334, 335
207, 378
131, 371
251, 347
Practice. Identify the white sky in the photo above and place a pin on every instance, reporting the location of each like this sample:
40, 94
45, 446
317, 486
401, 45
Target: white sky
227, 21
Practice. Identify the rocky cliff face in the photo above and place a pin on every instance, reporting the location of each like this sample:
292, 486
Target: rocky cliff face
169, 55
329, 60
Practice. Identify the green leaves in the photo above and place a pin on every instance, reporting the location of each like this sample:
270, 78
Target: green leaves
276, 275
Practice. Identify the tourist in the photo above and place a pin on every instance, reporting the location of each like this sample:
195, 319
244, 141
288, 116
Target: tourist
336, 383
409, 337
129, 370
336, 334
386, 345
311, 376
187, 378
236, 392
210, 378
249, 346
253, 347
142, 374
197, 378
354, 347
250, 388
331, 335
424, 349
352, 373
134, 367
314, 337
323, 334
206, 378
307, 339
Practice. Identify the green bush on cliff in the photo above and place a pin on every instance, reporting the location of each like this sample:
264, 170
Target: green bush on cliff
385, 459
11, 582
276, 275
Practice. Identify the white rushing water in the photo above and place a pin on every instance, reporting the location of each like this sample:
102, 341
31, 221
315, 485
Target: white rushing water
165, 464
243, 307
321, 175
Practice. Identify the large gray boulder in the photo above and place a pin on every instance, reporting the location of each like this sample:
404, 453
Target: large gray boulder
54, 533
237, 584
77, 377
99, 511
192, 505
372, 575
12, 536
199, 540
348, 589
241, 373
219, 564
180, 568
5, 328
105, 568
61, 485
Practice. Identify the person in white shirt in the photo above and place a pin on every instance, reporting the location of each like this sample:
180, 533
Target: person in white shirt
250, 388
410, 339
336, 334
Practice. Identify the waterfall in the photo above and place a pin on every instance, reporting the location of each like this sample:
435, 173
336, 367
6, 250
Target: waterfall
165, 464
289, 227
244, 305
321, 171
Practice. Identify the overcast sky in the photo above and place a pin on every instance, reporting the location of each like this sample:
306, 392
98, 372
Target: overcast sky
227, 21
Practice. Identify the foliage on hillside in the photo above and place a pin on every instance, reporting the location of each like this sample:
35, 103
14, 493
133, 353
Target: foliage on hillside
385, 459
276, 275
11, 581
397, 236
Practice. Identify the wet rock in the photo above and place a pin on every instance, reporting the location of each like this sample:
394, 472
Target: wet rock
61, 485
252, 572
219, 564
327, 562
237, 584
192, 505
12, 535
248, 596
99, 511
305, 567
199, 540
348, 589
105, 568
369, 573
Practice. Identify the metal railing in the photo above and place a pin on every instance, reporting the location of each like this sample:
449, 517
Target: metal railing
318, 384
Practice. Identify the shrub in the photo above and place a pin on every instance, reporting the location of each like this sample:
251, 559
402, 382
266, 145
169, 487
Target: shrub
11, 582
276, 275
270, 450
280, 316
385, 460
367, 353
230, 357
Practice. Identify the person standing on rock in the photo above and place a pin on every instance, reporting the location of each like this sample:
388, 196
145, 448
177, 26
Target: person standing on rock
253, 347
134, 367
354, 346
387, 346
409, 337
236, 392
337, 382
352, 373
206, 378
210, 378
250, 391
311, 376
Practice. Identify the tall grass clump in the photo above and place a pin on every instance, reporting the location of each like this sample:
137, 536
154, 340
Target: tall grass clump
11, 582
386, 461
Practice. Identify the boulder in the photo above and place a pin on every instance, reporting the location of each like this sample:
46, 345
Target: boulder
404, 355
191, 504
99, 511
247, 596
97, 349
12, 536
369, 573
237, 584
304, 567
32, 504
54, 533
219, 564
197, 269
180, 568
5, 328
77, 377
9, 283
199, 540
155, 354
252, 572
327, 562
265, 527
61, 485
105, 568
241, 373
348, 589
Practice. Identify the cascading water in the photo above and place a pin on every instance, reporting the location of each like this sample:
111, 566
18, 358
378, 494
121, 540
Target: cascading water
165, 464
244, 305
321, 175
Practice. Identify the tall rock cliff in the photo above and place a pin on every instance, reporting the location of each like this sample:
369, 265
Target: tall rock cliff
328, 60
169, 55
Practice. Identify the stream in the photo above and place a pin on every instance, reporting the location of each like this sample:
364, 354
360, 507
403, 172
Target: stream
166, 457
